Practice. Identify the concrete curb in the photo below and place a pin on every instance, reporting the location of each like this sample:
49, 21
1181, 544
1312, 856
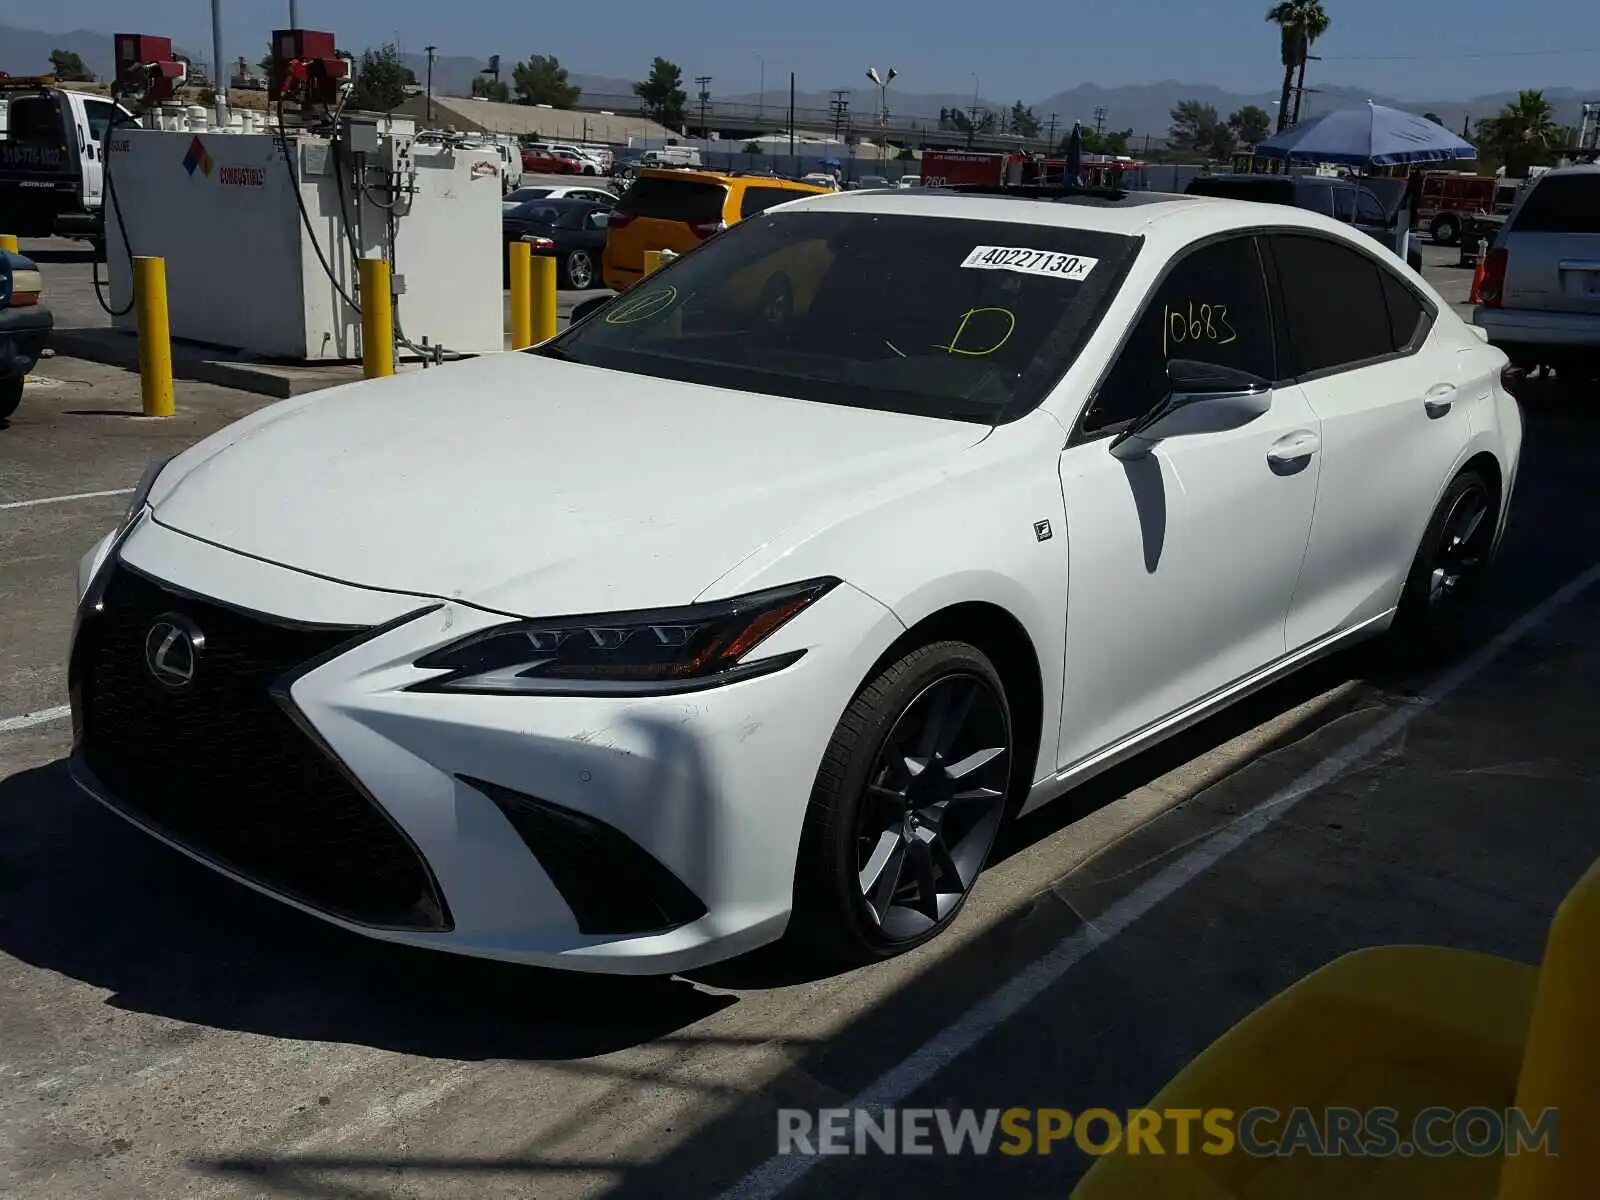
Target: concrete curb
119, 349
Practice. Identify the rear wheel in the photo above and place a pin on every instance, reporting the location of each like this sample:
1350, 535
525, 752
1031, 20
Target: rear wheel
1446, 230
578, 271
912, 790
10, 396
1440, 602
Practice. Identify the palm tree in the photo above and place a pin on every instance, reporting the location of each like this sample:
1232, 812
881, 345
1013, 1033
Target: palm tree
1315, 24
1523, 132
1299, 22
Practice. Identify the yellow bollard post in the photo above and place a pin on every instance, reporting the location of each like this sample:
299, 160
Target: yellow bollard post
652, 261
377, 319
544, 299
521, 295
8, 241
155, 335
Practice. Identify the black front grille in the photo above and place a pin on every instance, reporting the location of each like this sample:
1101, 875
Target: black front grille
220, 766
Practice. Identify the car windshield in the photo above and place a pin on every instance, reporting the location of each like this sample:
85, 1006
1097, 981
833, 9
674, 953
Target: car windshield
958, 319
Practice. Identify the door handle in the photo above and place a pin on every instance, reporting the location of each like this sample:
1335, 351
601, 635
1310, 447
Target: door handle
1438, 399
1293, 448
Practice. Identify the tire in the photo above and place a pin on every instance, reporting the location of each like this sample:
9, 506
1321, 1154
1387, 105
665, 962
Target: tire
1440, 602
10, 396
1445, 231
577, 271
869, 809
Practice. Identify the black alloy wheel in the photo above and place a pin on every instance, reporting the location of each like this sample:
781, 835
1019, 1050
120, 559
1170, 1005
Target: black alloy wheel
911, 794
1439, 604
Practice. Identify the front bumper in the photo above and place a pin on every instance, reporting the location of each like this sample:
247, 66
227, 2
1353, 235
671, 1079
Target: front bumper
639, 836
23, 334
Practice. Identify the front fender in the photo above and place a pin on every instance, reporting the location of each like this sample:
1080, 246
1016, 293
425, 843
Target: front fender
986, 526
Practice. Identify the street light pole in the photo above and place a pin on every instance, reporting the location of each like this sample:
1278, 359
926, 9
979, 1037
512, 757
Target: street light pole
883, 82
761, 104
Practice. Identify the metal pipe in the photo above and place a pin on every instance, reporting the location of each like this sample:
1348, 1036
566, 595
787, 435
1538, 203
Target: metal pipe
219, 81
294, 15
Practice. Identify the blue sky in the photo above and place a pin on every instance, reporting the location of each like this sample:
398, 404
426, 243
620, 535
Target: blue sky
1439, 49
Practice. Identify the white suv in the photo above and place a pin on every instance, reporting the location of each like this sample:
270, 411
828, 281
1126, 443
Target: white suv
1539, 299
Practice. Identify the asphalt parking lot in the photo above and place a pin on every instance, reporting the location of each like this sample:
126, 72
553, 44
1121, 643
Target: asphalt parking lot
168, 1033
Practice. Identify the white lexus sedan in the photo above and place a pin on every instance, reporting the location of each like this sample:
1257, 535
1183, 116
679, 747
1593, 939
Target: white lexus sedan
755, 603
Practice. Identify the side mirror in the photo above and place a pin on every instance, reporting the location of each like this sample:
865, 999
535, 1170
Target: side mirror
1201, 398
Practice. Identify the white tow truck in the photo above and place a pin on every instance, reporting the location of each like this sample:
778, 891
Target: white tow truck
52, 173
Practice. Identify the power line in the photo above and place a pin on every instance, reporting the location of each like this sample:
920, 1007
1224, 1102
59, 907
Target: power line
1457, 57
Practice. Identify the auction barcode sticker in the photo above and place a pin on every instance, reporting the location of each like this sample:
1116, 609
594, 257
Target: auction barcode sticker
1050, 263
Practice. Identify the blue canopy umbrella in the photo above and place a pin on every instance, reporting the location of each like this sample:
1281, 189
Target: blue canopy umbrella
1072, 174
1368, 135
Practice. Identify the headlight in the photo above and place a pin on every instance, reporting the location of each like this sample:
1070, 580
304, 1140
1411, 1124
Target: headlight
631, 653
141, 492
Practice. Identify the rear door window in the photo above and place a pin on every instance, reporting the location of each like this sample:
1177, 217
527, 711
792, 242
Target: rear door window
1561, 204
690, 200
1333, 303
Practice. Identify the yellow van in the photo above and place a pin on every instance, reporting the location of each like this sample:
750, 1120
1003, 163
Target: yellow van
677, 210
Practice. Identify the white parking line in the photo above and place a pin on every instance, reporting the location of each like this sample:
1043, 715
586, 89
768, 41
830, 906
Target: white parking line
64, 499
781, 1171
28, 720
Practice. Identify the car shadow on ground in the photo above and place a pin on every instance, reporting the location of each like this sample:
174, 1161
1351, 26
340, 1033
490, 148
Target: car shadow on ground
88, 896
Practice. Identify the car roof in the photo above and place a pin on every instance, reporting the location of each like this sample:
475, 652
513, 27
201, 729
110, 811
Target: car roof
1174, 217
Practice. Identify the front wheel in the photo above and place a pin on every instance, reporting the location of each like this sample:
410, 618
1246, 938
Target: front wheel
1446, 231
1440, 601
911, 793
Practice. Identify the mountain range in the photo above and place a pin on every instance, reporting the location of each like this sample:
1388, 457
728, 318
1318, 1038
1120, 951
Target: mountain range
1144, 108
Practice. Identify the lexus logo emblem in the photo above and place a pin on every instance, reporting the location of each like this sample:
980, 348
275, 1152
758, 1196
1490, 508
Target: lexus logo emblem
172, 650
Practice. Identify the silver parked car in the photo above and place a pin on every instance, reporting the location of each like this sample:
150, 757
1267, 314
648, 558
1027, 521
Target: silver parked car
1539, 299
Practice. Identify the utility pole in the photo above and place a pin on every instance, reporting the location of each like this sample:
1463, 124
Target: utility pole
1050, 136
294, 15
1099, 118
221, 92
430, 51
703, 82
791, 114
840, 107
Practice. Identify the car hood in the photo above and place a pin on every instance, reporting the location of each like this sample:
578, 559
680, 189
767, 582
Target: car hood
531, 486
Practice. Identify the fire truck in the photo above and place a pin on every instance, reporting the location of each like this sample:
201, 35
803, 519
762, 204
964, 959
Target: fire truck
944, 168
